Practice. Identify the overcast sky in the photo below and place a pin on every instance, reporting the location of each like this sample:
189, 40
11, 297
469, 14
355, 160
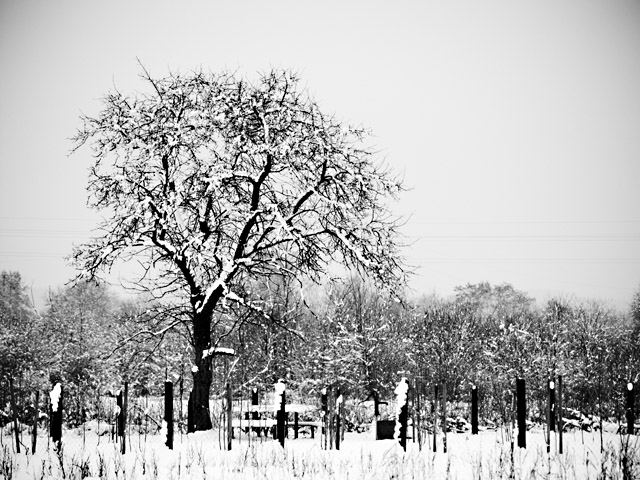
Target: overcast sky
516, 124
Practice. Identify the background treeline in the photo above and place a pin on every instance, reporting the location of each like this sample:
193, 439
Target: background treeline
347, 334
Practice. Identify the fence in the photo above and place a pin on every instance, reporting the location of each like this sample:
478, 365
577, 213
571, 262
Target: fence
251, 416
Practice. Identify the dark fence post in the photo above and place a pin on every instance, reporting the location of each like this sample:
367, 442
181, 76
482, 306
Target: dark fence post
435, 417
295, 424
281, 414
229, 397
550, 390
14, 414
474, 410
444, 416
255, 401
630, 409
338, 417
552, 405
123, 431
522, 412
325, 417
55, 407
120, 418
168, 413
560, 427
34, 430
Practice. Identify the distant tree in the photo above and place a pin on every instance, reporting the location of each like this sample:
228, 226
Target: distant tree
493, 301
18, 324
212, 182
78, 325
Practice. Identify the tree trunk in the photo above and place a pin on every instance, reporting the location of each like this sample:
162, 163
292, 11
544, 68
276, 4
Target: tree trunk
202, 373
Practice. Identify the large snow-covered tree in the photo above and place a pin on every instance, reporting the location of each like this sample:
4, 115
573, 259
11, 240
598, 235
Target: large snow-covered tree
212, 181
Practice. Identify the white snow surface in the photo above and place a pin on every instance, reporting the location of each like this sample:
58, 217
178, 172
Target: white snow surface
201, 456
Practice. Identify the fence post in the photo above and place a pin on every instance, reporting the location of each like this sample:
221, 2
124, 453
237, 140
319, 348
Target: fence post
550, 389
55, 425
435, 417
522, 412
14, 414
229, 397
168, 413
338, 404
560, 413
552, 405
34, 430
120, 419
474, 410
325, 417
444, 416
123, 432
254, 406
630, 409
281, 413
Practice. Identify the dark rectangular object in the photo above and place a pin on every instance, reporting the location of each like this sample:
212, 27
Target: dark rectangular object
385, 429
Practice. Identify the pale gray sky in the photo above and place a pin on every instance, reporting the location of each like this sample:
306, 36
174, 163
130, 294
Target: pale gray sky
515, 123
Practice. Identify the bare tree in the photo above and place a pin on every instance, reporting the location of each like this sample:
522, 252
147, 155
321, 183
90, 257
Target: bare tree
211, 182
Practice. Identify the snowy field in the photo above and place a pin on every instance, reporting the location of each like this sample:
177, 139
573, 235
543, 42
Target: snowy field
199, 456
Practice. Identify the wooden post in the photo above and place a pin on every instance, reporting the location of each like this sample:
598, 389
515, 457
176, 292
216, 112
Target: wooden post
120, 419
55, 407
435, 417
281, 419
255, 400
295, 424
229, 398
168, 413
474, 410
550, 394
14, 414
630, 414
552, 405
123, 432
418, 401
325, 417
338, 404
521, 409
34, 430
560, 414
402, 419
444, 416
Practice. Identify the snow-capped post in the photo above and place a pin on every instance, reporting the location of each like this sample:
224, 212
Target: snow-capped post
474, 410
400, 431
14, 413
167, 423
560, 414
630, 414
55, 422
338, 413
281, 410
521, 409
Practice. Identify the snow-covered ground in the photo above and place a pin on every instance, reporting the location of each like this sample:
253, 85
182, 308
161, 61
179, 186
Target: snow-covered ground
199, 456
